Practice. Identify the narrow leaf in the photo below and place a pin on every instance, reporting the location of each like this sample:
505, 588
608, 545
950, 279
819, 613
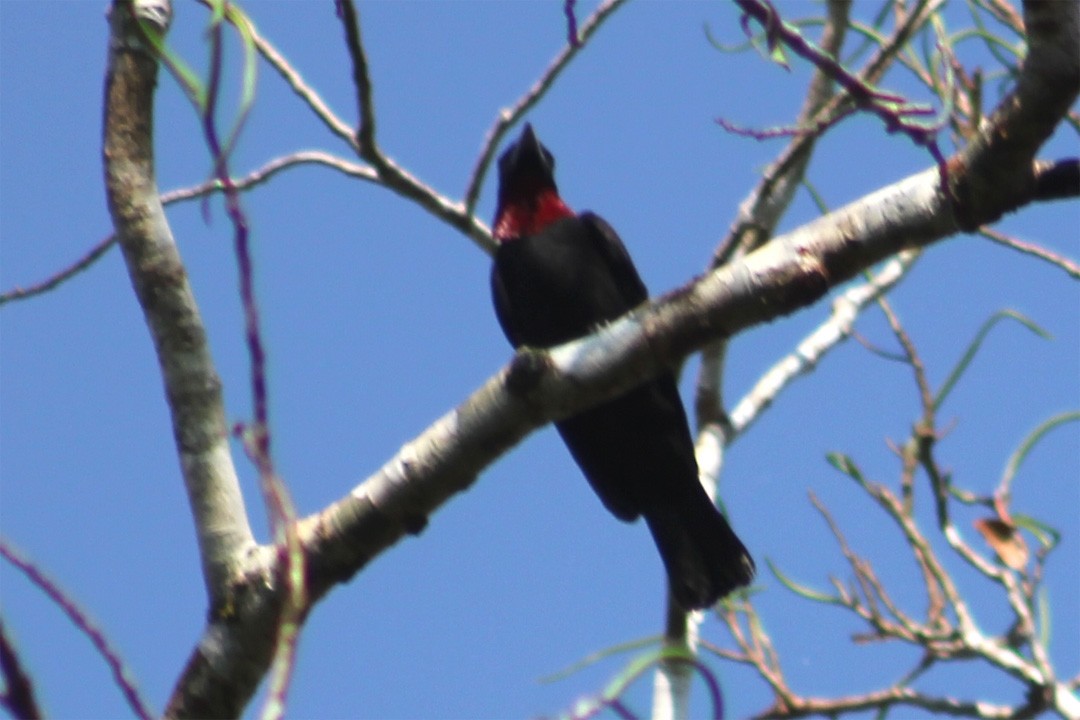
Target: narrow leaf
1048, 536
846, 465
1042, 618
1028, 443
973, 348
801, 590
599, 655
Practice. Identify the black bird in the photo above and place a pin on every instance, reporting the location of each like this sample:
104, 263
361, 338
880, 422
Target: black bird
557, 276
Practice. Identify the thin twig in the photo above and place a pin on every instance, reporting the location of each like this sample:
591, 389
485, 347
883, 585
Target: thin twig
365, 133
257, 438
873, 590
301, 88
1069, 266
508, 116
20, 293
825, 338
388, 172
123, 676
253, 179
760, 210
714, 424
926, 395
891, 108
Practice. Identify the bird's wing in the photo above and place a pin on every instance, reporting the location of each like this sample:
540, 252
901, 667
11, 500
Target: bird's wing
504, 307
609, 246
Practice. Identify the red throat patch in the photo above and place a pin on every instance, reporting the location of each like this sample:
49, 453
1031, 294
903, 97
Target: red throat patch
522, 219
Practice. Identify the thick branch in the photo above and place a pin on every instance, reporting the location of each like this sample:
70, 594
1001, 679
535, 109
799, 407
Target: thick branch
995, 174
157, 274
1057, 180
789, 273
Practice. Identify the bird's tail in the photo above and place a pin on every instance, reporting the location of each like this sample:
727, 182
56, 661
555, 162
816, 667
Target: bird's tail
704, 558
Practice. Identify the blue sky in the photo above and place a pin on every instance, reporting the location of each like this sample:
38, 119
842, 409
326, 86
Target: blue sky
378, 320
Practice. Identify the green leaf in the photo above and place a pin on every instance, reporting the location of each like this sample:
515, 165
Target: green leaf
801, 590
599, 655
1045, 534
976, 343
726, 47
1042, 617
846, 465
777, 55
245, 28
872, 35
639, 665
1028, 443
819, 200
186, 77
995, 44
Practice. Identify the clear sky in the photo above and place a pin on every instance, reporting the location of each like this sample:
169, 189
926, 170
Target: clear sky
378, 320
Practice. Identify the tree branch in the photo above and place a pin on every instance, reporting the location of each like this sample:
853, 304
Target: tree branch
1069, 266
253, 179
301, 88
389, 173
761, 210
20, 686
671, 695
995, 173
1057, 180
509, 116
791, 272
192, 386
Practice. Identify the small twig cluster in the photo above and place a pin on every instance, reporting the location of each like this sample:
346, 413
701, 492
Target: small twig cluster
947, 631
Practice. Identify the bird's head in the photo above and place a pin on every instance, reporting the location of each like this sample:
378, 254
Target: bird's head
528, 198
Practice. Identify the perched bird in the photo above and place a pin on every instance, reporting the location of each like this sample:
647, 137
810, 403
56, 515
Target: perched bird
557, 276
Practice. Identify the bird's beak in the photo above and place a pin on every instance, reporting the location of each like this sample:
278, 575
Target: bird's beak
528, 137
529, 151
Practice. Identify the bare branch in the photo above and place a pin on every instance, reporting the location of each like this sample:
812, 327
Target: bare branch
761, 210
893, 109
255, 178
571, 22
873, 590
509, 116
1069, 266
388, 172
270, 169
122, 675
996, 170
301, 88
365, 133
826, 337
889, 697
708, 400
1057, 180
161, 286
758, 216
53, 281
